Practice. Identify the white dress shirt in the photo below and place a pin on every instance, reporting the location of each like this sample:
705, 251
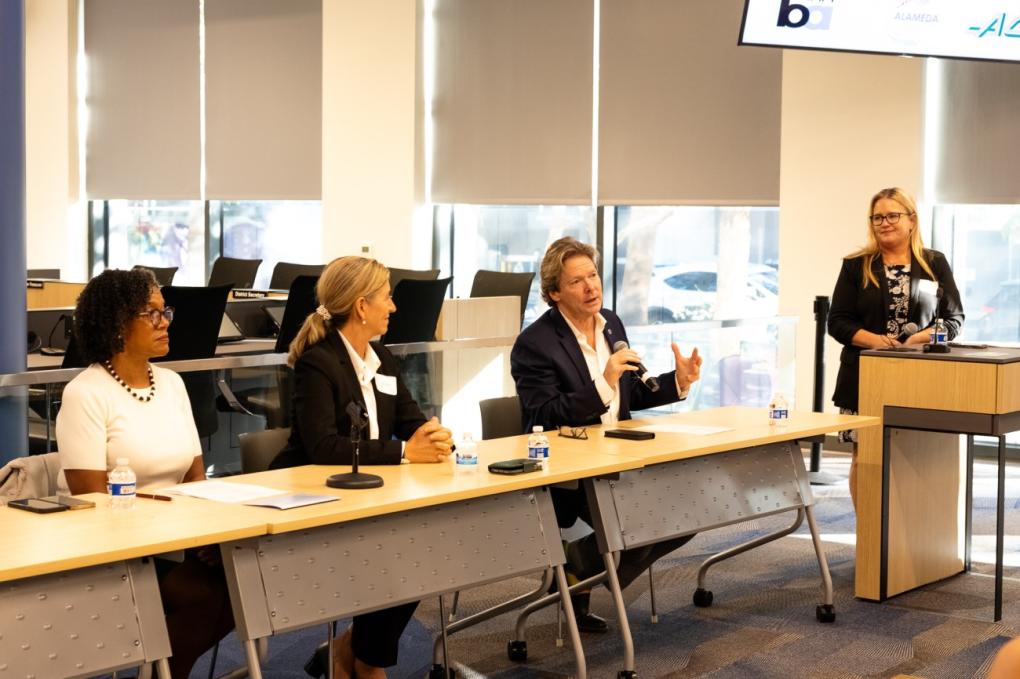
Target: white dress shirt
365, 370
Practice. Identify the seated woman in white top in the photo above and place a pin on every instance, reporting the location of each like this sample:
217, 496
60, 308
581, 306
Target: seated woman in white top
123, 406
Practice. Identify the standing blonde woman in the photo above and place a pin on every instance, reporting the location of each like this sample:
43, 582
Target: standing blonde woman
889, 283
335, 362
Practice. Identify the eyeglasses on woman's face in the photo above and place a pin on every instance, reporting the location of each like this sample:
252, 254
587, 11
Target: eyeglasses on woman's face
892, 217
154, 315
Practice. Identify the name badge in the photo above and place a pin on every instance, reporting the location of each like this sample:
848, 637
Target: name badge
386, 384
926, 286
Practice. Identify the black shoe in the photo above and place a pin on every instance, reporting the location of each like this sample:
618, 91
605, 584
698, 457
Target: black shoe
587, 622
316, 665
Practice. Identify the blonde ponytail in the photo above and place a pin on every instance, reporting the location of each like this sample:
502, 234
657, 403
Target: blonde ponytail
342, 283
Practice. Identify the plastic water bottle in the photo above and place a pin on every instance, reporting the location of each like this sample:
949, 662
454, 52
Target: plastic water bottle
779, 411
938, 332
467, 454
538, 445
121, 484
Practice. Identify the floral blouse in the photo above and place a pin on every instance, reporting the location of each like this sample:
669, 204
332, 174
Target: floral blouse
897, 277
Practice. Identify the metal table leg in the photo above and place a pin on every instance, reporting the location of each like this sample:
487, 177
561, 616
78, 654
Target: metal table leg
1000, 506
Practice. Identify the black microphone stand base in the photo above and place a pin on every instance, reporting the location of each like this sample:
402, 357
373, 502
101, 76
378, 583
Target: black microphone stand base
354, 481
939, 348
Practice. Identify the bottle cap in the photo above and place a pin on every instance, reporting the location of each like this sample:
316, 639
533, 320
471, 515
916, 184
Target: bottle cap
537, 429
122, 462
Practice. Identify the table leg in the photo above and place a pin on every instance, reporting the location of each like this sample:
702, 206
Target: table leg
1000, 506
968, 516
568, 613
163, 668
252, 655
621, 613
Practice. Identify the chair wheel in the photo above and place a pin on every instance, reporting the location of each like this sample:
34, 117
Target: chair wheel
825, 613
626, 674
517, 651
439, 672
702, 597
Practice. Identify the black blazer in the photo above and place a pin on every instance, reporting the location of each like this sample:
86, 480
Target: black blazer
854, 308
324, 385
553, 382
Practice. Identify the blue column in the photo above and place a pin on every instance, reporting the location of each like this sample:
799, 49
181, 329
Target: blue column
13, 320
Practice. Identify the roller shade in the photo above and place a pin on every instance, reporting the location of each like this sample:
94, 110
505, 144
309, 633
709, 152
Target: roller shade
512, 104
979, 133
263, 68
685, 115
142, 140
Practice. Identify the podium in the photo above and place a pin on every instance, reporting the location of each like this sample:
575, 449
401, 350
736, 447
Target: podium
914, 473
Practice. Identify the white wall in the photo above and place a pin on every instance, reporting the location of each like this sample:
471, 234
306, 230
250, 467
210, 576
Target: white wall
51, 166
852, 124
368, 135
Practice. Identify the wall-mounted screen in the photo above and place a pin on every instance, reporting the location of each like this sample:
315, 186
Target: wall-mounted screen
964, 29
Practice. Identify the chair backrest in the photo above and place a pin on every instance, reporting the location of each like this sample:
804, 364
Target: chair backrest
301, 301
197, 317
284, 274
501, 417
503, 284
258, 448
238, 273
419, 304
397, 275
164, 274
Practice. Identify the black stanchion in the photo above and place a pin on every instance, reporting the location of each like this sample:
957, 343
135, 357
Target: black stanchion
821, 308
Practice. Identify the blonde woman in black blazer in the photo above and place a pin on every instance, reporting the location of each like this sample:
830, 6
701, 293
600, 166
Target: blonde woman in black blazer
891, 282
334, 364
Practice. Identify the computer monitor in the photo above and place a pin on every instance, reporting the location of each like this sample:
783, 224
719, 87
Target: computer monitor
229, 331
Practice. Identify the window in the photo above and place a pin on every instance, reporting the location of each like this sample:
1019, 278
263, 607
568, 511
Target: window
506, 238
160, 233
982, 243
273, 231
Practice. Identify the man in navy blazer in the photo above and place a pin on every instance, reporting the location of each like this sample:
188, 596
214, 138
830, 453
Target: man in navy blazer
568, 372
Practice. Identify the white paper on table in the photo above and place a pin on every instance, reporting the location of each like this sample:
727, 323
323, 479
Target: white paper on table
673, 428
221, 491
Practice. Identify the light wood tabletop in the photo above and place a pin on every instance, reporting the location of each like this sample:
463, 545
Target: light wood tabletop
745, 427
412, 486
36, 544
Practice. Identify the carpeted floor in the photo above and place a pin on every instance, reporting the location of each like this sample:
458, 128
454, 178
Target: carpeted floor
762, 621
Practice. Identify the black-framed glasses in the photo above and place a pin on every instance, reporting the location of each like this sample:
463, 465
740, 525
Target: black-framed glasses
580, 433
892, 217
154, 315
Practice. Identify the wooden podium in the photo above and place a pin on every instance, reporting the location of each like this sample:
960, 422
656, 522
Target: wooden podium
914, 473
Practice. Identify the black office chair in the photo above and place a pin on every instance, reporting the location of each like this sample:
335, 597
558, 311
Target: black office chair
284, 274
397, 275
164, 274
238, 273
193, 333
501, 417
419, 303
301, 301
503, 284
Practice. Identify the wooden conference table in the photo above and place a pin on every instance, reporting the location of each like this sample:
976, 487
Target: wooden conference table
430, 529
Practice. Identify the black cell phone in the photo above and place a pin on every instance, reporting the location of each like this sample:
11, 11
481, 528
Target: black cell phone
70, 502
521, 465
34, 504
629, 434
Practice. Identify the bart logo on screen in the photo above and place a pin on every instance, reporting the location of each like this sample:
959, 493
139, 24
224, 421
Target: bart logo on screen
815, 16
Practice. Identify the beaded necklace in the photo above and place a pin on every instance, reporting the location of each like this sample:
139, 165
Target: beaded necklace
152, 383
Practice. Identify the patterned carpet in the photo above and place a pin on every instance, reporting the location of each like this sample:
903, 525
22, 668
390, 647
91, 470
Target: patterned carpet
762, 622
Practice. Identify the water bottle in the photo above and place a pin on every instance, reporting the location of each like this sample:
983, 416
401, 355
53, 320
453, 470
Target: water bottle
121, 484
779, 411
538, 445
467, 454
938, 332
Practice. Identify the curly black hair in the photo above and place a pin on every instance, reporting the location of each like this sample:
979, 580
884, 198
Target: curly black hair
105, 307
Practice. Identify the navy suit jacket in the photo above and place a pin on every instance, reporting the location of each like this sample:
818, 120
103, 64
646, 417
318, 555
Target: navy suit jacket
324, 385
553, 382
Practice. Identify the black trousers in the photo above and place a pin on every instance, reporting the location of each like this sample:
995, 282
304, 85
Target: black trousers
376, 636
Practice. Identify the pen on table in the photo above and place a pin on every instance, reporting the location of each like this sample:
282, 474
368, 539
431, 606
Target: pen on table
153, 496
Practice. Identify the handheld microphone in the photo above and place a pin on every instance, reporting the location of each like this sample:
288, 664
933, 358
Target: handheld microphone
649, 380
908, 330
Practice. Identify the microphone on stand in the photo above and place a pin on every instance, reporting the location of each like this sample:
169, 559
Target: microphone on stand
355, 480
939, 345
649, 380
